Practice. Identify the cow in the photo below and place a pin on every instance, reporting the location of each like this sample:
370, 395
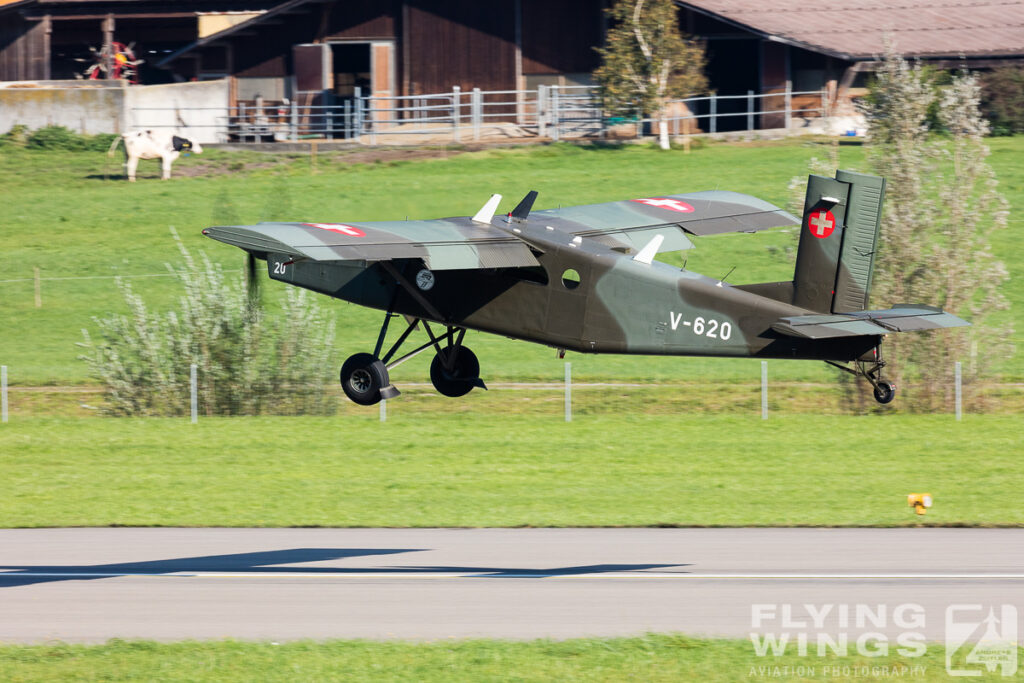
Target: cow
153, 144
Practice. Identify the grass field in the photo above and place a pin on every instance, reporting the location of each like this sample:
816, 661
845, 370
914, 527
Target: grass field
649, 658
475, 470
62, 215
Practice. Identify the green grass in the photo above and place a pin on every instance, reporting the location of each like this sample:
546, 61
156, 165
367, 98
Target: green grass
647, 658
61, 215
469, 469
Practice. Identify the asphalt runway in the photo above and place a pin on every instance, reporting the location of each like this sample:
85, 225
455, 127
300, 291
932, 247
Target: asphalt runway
89, 585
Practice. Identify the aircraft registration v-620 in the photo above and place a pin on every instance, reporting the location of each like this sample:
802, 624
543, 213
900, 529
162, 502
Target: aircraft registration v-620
585, 278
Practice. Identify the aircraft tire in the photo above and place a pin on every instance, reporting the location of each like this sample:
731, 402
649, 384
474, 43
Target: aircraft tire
885, 392
362, 377
456, 383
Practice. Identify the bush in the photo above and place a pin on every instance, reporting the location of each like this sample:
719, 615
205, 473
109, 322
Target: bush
17, 136
250, 361
1002, 93
66, 140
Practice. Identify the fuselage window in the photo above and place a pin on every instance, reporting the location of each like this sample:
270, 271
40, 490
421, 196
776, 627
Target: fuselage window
571, 279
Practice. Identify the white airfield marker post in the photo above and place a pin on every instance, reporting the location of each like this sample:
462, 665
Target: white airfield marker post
3, 392
193, 390
764, 390
959, 391
568, 391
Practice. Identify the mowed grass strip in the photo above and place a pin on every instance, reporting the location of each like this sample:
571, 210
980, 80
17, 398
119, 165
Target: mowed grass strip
508, 470
647, 658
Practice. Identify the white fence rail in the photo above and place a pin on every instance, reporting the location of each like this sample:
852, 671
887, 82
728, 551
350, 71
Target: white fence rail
555, 112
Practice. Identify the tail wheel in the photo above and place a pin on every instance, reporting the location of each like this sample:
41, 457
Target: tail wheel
362, 378
463, 375
885, 392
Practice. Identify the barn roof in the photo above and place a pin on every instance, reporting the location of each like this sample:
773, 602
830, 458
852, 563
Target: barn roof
856, 30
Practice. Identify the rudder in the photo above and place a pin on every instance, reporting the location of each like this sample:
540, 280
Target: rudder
838, 237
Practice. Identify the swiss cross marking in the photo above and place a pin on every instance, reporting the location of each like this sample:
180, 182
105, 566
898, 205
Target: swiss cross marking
670, 204
821, 223
339, 228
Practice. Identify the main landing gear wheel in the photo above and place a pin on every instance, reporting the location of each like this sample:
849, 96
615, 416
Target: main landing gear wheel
362, 378
870, 368
462, 374
885, 392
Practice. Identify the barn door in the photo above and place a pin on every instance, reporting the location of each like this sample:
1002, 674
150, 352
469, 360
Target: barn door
312, 66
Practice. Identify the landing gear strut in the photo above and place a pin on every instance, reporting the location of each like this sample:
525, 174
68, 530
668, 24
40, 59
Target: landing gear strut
871, 370
455, 370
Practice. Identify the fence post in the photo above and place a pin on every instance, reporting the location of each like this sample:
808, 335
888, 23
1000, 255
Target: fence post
294, 119
357, 106
542, 110
959, 391
789, 105
474, 112
713, 112
556, 117
568, 391
194, 391
764, 390
456, 110
384, 410
3, 393
750, 110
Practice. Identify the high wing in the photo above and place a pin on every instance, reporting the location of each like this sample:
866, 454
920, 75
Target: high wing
443, 244
901, 318
635, 222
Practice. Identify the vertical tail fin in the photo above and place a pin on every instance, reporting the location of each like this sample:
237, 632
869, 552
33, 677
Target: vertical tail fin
838, 238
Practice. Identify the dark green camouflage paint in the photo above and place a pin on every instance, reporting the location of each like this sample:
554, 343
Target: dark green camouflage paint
507, 277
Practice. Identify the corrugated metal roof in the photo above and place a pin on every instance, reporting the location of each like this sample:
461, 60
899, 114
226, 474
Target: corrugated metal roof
941, 28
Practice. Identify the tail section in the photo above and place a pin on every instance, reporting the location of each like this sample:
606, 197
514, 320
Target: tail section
838, 238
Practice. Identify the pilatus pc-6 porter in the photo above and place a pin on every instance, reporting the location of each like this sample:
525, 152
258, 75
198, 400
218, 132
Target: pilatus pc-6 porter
585, 278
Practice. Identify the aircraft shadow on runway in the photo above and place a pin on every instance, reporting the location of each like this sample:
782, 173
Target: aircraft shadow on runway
277, 561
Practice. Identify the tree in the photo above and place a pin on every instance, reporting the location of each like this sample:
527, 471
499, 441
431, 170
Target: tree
647, 61
941, 209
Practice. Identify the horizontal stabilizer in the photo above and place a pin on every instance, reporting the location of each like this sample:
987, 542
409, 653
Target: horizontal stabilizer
901, 318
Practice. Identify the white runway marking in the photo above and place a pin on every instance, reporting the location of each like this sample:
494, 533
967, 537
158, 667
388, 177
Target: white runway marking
405, 575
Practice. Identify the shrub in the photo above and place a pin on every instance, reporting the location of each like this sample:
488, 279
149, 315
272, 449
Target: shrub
249, 361
63, 139
17, 136
1002, 93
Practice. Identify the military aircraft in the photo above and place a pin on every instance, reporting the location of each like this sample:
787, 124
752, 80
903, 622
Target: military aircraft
585, 278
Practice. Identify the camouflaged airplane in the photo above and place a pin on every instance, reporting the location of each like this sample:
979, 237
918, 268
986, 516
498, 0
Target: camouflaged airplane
585, 278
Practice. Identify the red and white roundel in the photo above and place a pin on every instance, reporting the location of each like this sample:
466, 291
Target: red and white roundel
670, 204
339, 228
821, 223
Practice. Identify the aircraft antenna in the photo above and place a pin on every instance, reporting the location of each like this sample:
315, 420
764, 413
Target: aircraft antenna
726, 276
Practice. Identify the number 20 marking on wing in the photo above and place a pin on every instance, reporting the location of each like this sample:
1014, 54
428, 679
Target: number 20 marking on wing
710, 328
280, 268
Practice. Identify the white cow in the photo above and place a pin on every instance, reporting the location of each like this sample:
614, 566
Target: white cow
154, 144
